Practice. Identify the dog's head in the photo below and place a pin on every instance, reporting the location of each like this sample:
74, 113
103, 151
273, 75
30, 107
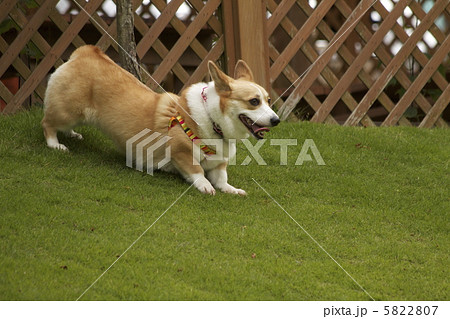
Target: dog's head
243, 103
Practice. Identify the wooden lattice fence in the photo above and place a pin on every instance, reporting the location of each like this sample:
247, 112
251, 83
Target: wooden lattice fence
198, 37
350, 62
389, 65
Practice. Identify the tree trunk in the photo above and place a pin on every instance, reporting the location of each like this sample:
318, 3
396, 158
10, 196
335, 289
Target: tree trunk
125, 36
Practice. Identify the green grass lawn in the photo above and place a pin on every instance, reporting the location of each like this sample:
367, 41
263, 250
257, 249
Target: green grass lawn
380, 206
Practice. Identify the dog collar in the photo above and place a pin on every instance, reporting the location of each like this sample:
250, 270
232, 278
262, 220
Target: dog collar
216, 127
194, 138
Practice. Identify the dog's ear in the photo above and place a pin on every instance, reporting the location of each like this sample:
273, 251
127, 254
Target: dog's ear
221, 80
242, 71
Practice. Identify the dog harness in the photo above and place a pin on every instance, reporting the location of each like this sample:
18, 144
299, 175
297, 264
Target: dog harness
194, 138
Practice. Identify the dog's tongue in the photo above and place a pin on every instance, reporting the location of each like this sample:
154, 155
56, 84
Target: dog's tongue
259, 131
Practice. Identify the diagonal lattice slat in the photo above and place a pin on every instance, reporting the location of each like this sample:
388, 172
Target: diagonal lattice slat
433, 115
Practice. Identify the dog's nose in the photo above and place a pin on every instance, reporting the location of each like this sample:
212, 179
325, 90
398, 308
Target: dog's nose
275, 121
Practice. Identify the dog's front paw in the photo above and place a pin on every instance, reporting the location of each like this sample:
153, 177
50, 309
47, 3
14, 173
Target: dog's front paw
205, 187
233, 190
60, 147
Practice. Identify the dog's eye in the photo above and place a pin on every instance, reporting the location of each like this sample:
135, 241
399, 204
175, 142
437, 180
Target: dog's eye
254, 102
269, 100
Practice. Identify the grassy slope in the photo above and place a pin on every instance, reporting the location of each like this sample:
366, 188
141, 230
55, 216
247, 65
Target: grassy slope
380, 209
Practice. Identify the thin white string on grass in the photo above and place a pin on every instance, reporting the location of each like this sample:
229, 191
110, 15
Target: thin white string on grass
312, 238
176, 200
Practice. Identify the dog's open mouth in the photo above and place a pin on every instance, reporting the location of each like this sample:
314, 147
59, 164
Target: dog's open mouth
255, 129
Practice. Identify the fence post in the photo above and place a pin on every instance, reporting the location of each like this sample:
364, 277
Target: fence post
252, 38
230, 26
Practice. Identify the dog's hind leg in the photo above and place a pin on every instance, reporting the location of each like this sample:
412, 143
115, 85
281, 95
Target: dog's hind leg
51, 136
59, 121
74, 134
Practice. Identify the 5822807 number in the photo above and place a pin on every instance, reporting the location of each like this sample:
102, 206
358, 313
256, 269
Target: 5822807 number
410, 310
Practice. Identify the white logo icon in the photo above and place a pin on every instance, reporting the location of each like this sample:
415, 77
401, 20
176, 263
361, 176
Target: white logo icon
149, 151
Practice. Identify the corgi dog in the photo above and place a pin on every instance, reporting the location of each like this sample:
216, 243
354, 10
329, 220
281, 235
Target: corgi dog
90, 88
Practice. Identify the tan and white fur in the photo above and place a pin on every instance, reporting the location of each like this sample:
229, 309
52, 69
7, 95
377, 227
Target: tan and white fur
91, 89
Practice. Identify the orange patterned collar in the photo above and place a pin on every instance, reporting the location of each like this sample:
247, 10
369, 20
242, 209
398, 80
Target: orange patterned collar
194, 138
